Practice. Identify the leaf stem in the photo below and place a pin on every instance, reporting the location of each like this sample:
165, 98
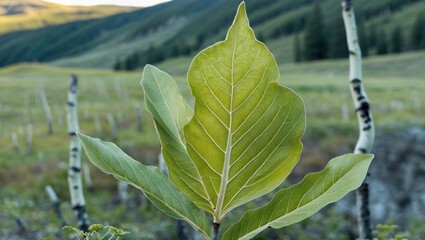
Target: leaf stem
216, 226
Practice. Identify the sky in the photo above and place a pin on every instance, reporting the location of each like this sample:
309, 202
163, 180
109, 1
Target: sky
137, 3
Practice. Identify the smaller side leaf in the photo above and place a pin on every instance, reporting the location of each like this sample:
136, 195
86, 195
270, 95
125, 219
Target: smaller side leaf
156, 186
290, 205
171, 113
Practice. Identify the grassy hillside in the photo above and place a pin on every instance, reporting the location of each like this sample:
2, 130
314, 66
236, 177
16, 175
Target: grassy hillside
17, 15
82, 36
394, 84
191, 24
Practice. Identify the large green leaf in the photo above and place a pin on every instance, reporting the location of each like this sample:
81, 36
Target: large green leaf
244, 137
155, 185
342, 175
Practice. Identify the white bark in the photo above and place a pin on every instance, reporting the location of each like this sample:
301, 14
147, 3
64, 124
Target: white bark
162, 165
99, 131
74, 174
15, 142
29, 138
113, 126
139, 116
364, 115
87, 177
122, 191
52, 194
55, 204
47, 110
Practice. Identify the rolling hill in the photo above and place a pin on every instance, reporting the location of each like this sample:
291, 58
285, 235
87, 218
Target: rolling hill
17, 15
186, 24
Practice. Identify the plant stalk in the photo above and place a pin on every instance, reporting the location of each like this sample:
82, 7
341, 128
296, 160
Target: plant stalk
216, 227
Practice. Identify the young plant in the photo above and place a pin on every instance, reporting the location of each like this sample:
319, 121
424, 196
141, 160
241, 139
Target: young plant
240, 141
96, 232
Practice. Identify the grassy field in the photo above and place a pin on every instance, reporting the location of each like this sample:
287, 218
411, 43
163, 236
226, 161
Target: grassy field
395, 85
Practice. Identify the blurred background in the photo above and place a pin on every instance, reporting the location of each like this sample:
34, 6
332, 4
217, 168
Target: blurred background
107, 46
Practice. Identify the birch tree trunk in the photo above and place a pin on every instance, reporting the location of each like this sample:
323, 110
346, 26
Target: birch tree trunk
139, 116
15, 142
74, 173
87, 177
55, 204
99, 131
29, 138
113, 126
183, 230
47, 110
364, 115
122, 191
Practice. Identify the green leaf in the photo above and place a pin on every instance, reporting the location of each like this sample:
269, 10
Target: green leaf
155, 185
171, 112
244, 137
290, 205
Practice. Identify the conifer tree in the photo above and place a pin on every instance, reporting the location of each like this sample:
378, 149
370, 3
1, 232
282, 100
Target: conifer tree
297, 48
338, 40
199, 41
154, 55
260, 37
372, 36
118, 65
175, 51
418, 33
382, 44
314, 38
396, 40
363, 39
128, 64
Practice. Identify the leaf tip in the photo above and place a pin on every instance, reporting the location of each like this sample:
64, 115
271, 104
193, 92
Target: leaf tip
147, 69
241, 13
84, 139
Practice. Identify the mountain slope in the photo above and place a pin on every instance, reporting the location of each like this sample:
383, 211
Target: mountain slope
16, 15
78, 37
187, 24
273, 21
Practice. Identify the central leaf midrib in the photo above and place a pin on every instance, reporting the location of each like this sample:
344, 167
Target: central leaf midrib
226, 163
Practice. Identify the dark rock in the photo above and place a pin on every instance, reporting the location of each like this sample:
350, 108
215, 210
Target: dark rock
397, 178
